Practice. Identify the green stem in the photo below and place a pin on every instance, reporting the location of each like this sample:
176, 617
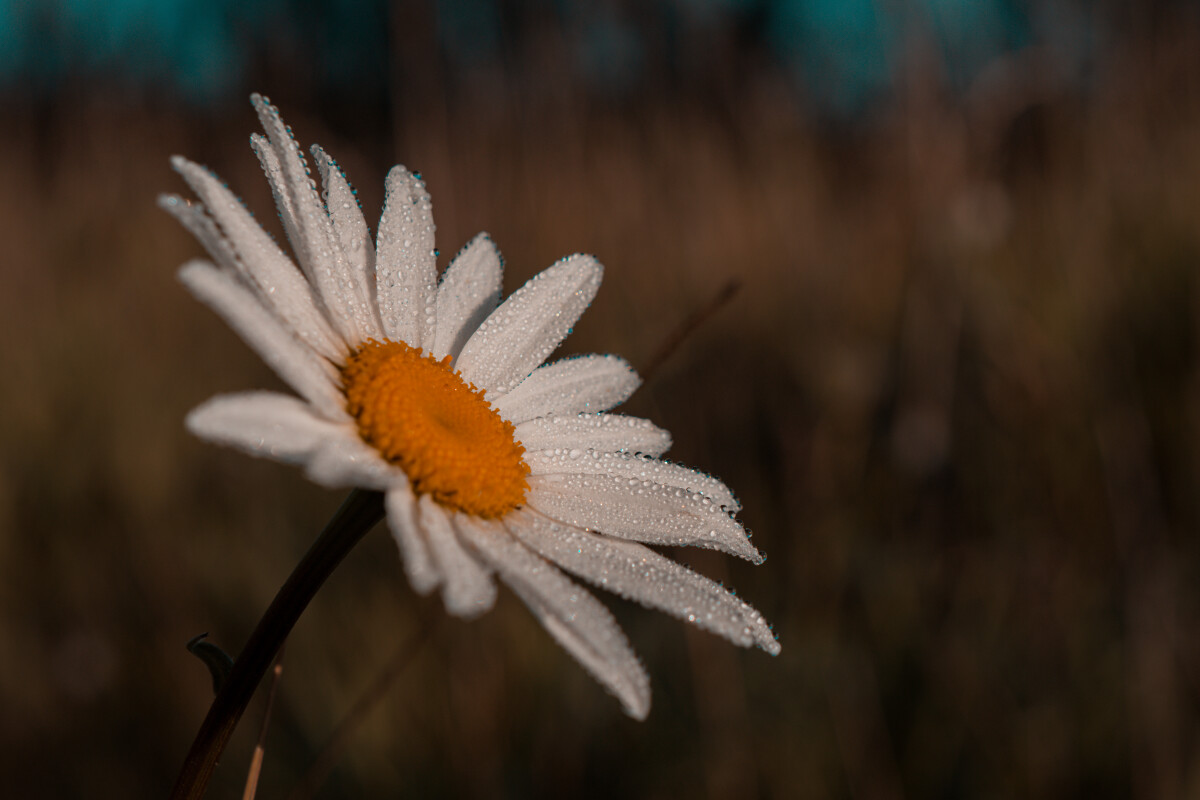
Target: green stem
357, 515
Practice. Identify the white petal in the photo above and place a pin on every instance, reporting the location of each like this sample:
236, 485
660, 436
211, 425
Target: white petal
529, 325
272, 167
469, 291
263, 424
259, 260
625, 465
405, 266
310, 231
348, 462
341, 204
197, 221
418, 563
601, 432
354, 238
642, 511
579, 622
571, 386
310, 375
636, 572
467, 587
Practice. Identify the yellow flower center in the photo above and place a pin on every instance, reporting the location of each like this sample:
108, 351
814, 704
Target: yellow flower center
427, 420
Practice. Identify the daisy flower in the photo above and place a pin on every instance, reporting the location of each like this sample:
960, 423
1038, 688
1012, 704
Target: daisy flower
492, 463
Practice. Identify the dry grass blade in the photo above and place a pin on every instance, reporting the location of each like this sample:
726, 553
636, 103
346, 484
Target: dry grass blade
260, 747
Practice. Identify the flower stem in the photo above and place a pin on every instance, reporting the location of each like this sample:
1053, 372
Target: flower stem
357, 515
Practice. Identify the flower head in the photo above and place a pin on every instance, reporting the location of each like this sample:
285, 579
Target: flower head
492, 463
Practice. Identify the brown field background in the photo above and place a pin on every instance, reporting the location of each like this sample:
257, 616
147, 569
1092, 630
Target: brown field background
957, 392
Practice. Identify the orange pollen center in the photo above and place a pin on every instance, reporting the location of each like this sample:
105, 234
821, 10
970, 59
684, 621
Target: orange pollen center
427, 420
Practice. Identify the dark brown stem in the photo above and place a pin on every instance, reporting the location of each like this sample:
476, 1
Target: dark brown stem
357, 515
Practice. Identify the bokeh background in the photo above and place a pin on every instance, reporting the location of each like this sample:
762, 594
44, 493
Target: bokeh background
957, 389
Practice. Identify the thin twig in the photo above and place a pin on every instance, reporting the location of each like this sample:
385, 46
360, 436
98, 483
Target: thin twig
357, 515
689, 326
327, 759
260, 747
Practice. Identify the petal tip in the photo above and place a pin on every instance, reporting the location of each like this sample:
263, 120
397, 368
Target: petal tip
761, 633
195, 422
398, 174
168, 201
587, 265
192, 271
638, 709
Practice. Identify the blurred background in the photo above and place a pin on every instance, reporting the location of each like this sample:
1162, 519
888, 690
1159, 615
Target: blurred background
957, 389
